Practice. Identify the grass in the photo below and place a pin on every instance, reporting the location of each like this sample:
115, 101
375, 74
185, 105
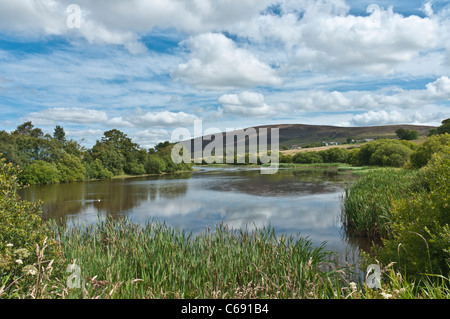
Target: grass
155, 261
366, 206
122, 260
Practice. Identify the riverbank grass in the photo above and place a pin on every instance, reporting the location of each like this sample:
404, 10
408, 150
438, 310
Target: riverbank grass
127, 260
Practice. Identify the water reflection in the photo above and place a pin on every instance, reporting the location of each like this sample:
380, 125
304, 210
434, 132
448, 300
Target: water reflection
291, 201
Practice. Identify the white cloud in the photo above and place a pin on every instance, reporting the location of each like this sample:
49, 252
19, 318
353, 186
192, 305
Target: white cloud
217, 63
246, 104
397, 117
321, 100
138, 119
161, 118
440, 88
72, 115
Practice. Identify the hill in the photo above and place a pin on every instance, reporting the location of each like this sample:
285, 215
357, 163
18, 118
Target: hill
291, 135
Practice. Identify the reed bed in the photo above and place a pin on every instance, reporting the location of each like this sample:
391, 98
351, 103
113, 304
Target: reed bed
125, 260
366, 205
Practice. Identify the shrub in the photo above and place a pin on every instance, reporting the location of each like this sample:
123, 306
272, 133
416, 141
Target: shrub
21, 229
335, 155
385, 153
40, 172
285, 158
407, 134
70, 169
424, 152
307, 158
420, 240
155, 165
135, 168
96, 170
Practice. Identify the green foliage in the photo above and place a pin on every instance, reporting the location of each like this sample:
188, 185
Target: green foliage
444, 128
353, 156
420, 241
425, 151
284, 158
96, 170
367, 205
307, 158
155, 165
335, 155
135, 168
40, 172
385, 152
70, 169
407, 134
21, 228
59, 134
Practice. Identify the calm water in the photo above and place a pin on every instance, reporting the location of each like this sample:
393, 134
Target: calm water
291, 201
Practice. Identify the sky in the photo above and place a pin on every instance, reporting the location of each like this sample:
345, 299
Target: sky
149, 67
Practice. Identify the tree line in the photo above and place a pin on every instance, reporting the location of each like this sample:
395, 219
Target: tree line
45, 158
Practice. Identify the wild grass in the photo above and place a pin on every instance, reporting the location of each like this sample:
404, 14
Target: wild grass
366, 205
124, 260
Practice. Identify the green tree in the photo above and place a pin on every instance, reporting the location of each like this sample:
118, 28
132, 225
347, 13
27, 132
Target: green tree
155, 165
110, 157
40, 172
407, 134
27, 129
70, 169
307, 158
425, 151
96, 170
385, 152
59, 134
445, 127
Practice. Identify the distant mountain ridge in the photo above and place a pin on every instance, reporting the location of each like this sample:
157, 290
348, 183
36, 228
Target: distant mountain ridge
302, 134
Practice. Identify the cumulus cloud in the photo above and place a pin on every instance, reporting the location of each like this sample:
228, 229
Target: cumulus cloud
138, 119
161, 118
116, 22
396, 117
217, 63
246, 104
72, 115
315, 100
149, 138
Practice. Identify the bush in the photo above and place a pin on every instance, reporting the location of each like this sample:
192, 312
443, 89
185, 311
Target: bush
335, 155
40, 172
420, 240
70, 169
135, 168
407, 134
385, 153
21, 229
155, 165
285, 158
96, 170
307, 158
425, 151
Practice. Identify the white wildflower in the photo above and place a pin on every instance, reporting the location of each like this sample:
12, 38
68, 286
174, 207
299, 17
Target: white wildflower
30, 270
19, 261
386, 296
9, 245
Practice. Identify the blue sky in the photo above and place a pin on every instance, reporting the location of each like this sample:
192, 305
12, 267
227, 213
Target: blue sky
148, 67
